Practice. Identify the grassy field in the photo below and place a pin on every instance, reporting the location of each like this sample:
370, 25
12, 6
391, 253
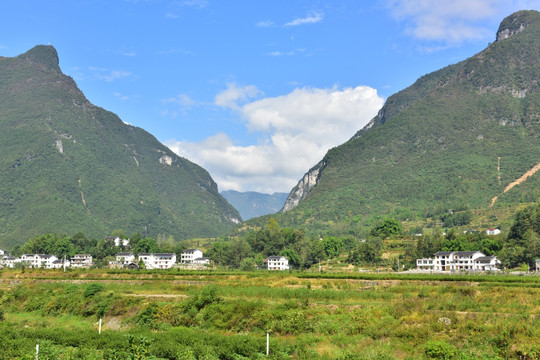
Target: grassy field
226, 315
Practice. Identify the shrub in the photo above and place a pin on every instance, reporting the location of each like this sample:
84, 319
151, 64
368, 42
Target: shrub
93, 289
440, 350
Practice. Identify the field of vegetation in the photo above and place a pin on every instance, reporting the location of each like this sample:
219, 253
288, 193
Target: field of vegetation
226, 315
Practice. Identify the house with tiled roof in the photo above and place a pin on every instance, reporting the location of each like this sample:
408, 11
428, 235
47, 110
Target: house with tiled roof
459, 261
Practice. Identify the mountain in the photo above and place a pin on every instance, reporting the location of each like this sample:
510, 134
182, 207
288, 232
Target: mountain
466, 136
70, 166
253, 204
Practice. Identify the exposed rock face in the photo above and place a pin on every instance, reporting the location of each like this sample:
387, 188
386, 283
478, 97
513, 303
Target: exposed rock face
304, 186
165, 159
512, 25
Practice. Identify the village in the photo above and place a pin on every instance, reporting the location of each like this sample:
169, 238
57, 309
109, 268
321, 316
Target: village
189, 259
194, 259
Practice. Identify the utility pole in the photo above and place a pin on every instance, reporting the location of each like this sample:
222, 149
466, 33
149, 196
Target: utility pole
267, 343
37, 350
99, 331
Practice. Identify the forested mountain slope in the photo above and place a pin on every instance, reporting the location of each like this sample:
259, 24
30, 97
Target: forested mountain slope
251, 204
68, 166
457, 137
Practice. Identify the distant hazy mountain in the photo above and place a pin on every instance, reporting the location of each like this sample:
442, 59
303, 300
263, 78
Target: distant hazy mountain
253, 204
68, 166
466, 135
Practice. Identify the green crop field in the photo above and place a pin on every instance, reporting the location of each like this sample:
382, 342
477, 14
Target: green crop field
226, 315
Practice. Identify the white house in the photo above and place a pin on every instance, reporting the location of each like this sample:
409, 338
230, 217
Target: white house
201, 261
2, 252
442, 261
487, 263
9, 261
493, 231
158, 261
464, 260
118, 241
58, 264
189, 255
425, 264
459, 261
39, 260
81, 261
277, 263
125, 258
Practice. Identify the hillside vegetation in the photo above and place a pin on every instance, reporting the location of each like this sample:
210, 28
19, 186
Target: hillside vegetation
69, 166
454, 139
206, 315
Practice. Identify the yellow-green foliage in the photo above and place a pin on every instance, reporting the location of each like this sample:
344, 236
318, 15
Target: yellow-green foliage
332, 316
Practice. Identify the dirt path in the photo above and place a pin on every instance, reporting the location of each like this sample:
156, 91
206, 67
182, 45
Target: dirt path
522, 179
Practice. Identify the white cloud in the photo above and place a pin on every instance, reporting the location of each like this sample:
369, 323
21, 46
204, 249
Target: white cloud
181, 99
233, 94
265, 23
200, 4
296, 130
451, 22
109, 75
312, 18
175, 51
288, 53
280, 53
121, 96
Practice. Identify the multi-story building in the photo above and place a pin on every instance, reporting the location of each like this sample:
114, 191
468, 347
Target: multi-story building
277, 263
158, 261
81, 261
9, 261
424, 264
39, 260
118, 241
125, 258
189, 255
459, 261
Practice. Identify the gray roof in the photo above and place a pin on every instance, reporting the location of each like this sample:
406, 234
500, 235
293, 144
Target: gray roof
485, 259
466, 252
125, 254
444, 253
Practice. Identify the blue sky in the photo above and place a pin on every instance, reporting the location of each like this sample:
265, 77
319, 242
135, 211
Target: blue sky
254, 91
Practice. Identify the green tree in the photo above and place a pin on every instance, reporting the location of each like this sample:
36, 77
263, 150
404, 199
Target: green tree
247, 264
389, 227
146, 245
291, 255
332, 246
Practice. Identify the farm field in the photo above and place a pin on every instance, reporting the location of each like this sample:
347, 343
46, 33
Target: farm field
226, 315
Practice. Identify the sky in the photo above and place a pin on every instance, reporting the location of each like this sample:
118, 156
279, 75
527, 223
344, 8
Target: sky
254, 91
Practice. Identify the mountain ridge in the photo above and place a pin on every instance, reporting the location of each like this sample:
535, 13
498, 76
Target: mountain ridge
252, 204
59, 149
463, 120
